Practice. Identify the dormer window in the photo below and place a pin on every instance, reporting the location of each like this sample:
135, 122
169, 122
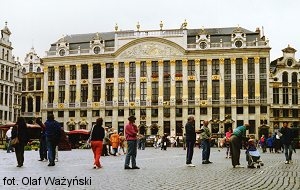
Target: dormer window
289, 62
62, 52
97, 50
203, 45
238, 43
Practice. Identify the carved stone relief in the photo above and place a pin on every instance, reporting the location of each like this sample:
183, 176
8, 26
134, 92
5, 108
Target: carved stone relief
150, 49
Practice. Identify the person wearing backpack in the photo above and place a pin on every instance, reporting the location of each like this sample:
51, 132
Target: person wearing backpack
53, 133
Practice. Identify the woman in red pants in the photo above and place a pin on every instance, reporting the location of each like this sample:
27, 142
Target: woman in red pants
96, 138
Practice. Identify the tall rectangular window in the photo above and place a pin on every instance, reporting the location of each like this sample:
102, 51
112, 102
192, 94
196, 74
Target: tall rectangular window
154, 68
263, 88
84, 71
285, 95
262, 65
227, 87
72, 93
72, 72
227, 66
109, 92
167, 67
50, 94
203, 90
132, 70
239, 66
62, 73
143, 91
31, 84
51, 73
215, 90
178, 66
275, 95
215, 67
109, 70
96, 92
295, 96
38, 83
143, 69
251, 66
178, 90
191, 90
239, 89
251, 89
154, 91
203, 67
96, 71
167, 91
84, 93
61, 94
191, 67
132, 91
121, 91
121, 69
24, 84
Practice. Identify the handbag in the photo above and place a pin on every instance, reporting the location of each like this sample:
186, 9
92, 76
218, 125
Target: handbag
14, 141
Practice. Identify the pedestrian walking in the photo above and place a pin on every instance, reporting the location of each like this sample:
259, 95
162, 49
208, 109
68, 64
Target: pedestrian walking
106, 142
205, 135
122, 145
115, 140
43, 145
164, 142
8, 140
270, 143
227, 142
131, 131
53, 133
96, 139
287, 139
190, 134
20, 131
238, 135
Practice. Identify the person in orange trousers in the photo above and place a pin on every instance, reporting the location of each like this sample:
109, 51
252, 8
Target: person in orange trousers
115, 141
96, 139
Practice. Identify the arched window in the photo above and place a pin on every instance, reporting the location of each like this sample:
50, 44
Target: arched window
24, 70
294, 79
285, 79
38, 70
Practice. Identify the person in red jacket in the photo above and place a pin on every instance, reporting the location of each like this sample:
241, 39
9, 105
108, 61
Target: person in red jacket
131, 131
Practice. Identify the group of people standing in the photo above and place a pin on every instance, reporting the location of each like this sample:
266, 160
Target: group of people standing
190, 137
51, 131
131, 135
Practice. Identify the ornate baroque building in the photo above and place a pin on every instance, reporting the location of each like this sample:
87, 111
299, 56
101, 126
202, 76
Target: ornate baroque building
160, 76
284, 90
10, 80
32, 86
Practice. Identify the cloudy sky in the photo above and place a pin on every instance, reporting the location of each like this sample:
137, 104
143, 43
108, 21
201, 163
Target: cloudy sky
38, 23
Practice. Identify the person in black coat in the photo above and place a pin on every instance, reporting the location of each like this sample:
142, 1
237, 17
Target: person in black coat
190, 133
20, 131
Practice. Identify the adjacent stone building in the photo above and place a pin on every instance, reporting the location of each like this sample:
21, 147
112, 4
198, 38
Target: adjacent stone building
32, 86
10, 80
160, 76
284, 81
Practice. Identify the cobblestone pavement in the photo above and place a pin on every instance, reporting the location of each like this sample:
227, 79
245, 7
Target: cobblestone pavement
159, 170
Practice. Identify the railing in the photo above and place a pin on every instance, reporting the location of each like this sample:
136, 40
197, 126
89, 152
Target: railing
263, 101
71, 105
97, 81
251, 101
143, 103
150, 33
83, 104
239, 101
227, 101
50, 105
108, 103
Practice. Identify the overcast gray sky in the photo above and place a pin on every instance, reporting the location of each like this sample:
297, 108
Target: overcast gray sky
39, 23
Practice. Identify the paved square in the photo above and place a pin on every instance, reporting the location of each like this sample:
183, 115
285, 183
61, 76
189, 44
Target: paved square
159, 170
